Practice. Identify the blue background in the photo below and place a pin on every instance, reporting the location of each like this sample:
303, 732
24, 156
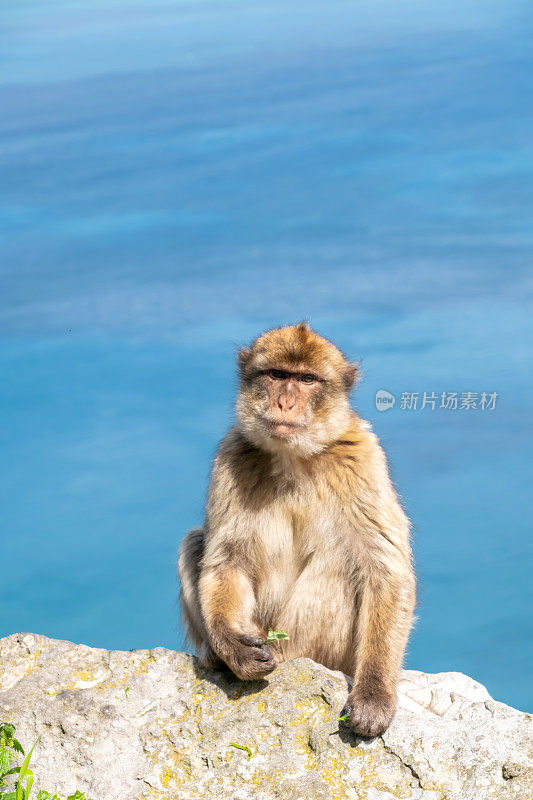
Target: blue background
176, 177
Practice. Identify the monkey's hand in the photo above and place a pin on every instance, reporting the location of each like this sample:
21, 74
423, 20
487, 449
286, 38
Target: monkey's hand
248, 657
371, 711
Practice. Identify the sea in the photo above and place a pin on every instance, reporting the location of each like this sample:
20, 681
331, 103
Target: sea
177, 176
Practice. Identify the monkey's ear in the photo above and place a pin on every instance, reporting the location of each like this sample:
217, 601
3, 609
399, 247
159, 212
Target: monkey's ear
350, 374
244, 355
303, 326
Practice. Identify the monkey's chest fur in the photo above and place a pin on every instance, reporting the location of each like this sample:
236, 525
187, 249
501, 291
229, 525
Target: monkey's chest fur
304, 583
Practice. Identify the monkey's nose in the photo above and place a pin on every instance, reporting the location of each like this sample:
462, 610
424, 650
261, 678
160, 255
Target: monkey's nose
285, 402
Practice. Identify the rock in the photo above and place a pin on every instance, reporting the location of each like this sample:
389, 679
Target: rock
151, 724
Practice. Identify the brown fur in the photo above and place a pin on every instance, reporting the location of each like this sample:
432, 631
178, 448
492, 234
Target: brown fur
303, 532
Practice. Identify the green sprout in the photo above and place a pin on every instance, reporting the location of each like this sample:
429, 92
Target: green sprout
126, 690
24, 781
8, 746
344, 717
7, 738
275, 636
242, 747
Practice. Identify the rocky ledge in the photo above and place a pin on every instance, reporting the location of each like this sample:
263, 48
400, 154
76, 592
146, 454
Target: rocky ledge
151, 724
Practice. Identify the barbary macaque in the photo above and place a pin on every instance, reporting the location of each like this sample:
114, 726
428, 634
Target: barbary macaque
303, 532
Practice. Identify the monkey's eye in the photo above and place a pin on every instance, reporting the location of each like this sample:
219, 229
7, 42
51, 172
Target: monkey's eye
308, 378
277, 374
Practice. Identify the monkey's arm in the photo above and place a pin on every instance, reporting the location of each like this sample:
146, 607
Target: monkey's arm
225, 585
386, 600
385, 597
226, 599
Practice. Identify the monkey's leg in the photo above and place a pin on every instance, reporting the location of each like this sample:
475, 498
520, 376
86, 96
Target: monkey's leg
228, 601
191, 552
383, 623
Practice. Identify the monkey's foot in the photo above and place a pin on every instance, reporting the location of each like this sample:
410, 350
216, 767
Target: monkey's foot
370, 713
248, 657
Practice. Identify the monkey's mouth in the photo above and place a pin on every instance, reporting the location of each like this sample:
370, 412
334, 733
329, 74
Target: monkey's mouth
282, 428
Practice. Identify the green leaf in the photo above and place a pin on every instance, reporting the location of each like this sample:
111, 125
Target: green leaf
17, 746
126, 690
239, 747
5, 761
7, 731
42, 795
24, 790
344, 717
29, 784
275, 636
8, 796
20, 793
78, 796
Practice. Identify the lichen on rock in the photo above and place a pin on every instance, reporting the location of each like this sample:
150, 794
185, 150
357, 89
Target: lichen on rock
152, 724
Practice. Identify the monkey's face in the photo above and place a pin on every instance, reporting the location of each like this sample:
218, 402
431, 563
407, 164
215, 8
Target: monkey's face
288, 400
293, 393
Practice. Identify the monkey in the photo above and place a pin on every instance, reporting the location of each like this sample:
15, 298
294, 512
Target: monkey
303, 532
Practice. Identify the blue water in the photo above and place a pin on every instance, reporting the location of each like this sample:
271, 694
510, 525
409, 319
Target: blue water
176, 177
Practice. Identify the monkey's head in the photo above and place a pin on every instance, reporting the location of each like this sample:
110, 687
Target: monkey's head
293, 391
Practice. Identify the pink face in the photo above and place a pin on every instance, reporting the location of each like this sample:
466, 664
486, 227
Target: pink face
290, 396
